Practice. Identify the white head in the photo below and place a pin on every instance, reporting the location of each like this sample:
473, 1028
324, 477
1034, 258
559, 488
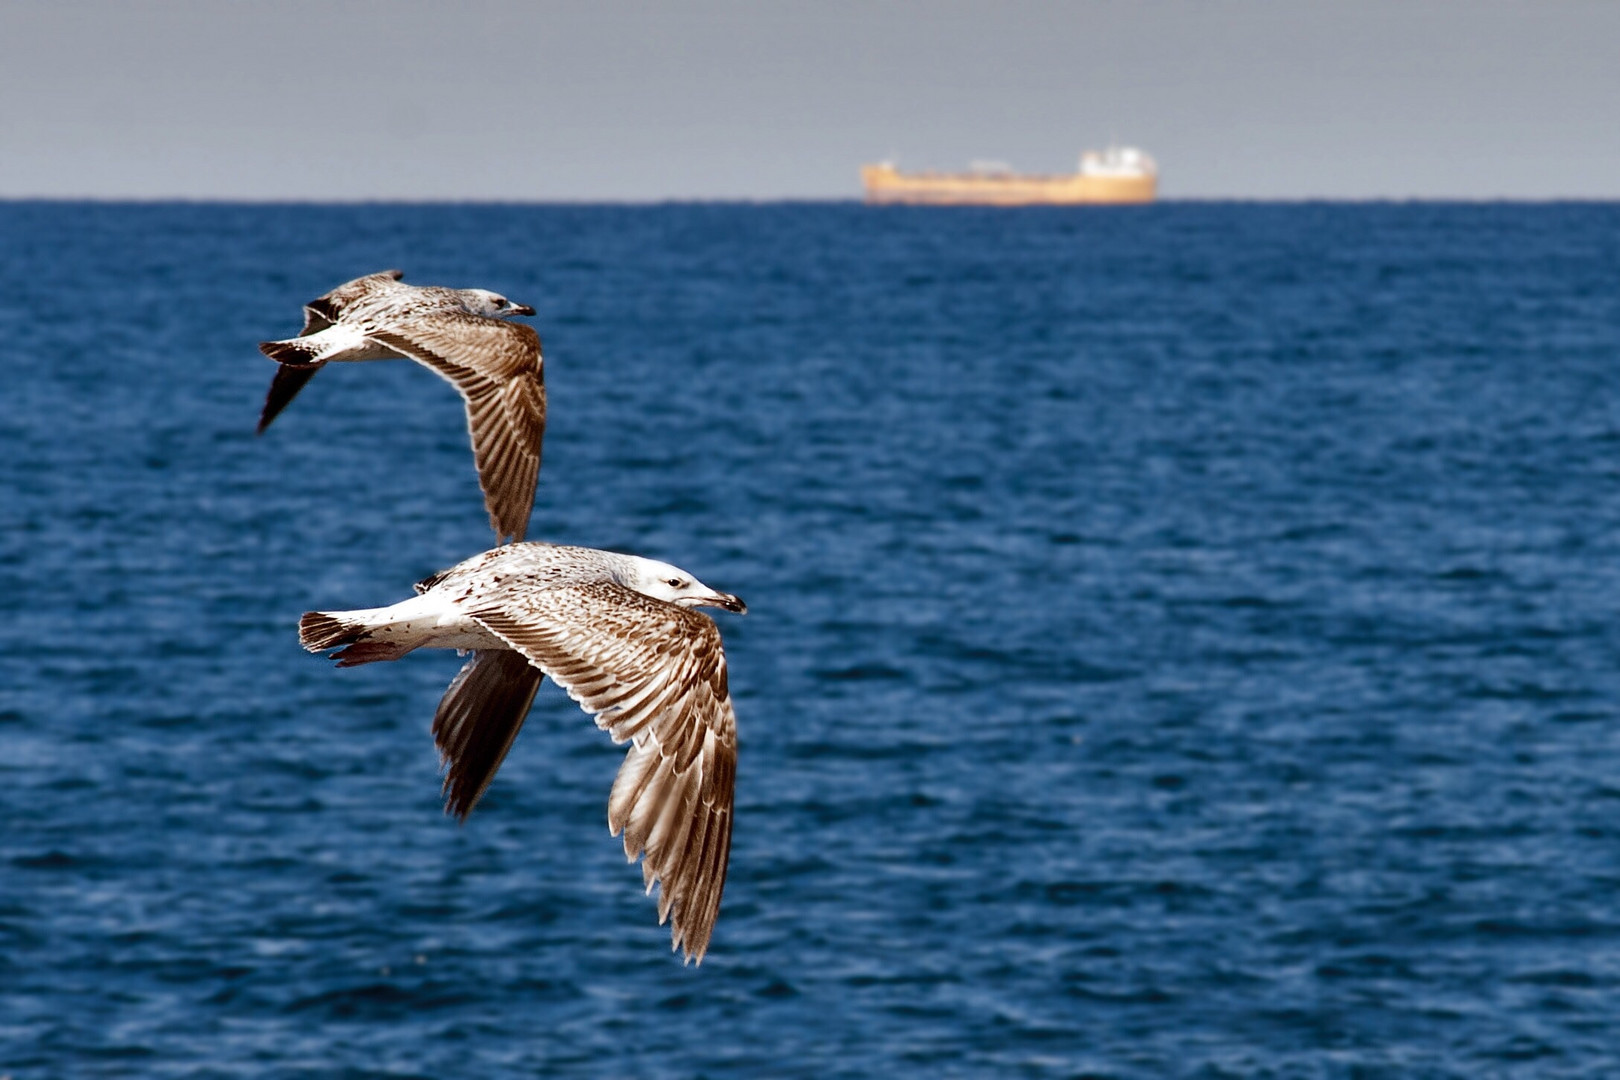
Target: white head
484, 302
662, 581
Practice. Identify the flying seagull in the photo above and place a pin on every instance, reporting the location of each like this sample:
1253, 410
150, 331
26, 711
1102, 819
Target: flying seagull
459, 333
619, 633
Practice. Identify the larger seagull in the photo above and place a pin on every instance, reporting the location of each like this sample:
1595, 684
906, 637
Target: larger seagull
460, 333
619, 634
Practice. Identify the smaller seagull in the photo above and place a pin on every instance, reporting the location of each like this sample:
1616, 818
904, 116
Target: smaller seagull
459, 333
619, 633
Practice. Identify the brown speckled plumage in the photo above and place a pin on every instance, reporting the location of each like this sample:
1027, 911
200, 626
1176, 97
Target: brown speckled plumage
649, 669
462, 335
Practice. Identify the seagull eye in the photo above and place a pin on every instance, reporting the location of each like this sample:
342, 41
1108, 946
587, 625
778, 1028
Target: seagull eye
674, 583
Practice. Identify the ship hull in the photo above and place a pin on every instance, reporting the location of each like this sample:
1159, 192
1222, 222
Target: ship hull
885, 184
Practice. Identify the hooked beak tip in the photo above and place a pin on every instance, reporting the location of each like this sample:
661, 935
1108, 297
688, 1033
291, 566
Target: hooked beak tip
732, 603
522, 309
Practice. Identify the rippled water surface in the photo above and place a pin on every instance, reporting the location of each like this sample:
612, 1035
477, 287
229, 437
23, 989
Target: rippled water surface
1183, 642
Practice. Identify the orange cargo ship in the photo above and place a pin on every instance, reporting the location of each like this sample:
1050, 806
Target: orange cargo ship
1120, 174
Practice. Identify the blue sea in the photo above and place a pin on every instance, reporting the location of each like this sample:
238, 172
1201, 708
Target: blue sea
1184, 641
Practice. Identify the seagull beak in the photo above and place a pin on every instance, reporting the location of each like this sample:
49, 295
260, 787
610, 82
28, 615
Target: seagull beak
727, 601
521, 309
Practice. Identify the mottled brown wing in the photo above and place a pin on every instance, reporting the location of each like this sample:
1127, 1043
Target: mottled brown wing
497, 368
654, 675
323, 311
478, 718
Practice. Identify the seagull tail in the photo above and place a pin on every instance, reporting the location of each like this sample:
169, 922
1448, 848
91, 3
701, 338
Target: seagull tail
347, 631
320, 630
337, 342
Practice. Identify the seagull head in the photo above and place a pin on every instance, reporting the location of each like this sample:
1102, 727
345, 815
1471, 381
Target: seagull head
662, 581
484, 302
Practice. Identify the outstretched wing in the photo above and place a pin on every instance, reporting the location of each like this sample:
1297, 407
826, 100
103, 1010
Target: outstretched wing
497, 368
478, 718
284, 386
654, 675
323, 311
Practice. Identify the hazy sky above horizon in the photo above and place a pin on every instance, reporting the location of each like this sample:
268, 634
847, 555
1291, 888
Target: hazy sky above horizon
609, 99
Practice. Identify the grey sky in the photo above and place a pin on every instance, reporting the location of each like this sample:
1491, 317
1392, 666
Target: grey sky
607, 99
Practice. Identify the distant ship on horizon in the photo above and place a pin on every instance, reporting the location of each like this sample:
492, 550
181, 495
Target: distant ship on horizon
1120, 174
